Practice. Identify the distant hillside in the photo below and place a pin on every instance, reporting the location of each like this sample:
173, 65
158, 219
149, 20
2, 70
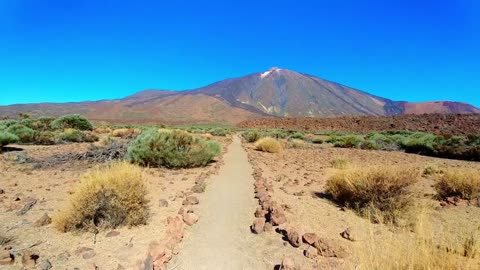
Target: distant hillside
276, 92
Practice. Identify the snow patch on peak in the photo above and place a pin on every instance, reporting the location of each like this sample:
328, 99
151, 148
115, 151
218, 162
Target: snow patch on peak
268, 72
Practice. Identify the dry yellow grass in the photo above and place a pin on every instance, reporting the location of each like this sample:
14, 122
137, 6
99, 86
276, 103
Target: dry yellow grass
125, 132
268, 144
461, 183
427, 248
106, 197
339, 163
381, 192
102, 130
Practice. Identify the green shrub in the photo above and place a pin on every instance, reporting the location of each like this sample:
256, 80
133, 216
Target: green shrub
4, 124
75, 135
74, 121
24, 134
175, 149
219, 131
39, 124
44, 137
421, 143
348, 141
251, 136
7, 138
297, 135
317, 141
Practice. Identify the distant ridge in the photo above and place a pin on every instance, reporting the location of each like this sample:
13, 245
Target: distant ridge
276, 92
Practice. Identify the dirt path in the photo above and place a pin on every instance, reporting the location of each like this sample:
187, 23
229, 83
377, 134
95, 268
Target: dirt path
222, 238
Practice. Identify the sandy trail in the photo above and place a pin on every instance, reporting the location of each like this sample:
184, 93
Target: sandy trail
222, 238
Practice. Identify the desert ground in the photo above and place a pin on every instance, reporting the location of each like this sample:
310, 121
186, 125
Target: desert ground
249, 207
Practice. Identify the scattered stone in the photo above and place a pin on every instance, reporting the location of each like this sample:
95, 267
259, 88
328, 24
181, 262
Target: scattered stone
112, 233
310, 238
328, 248
180, 194
45, 265
310, 252
2, 191
63, 257
198, 188
260, 213
268, 227
29, 259
27, 207
277, 216
294, 236
81, 250
288, 264
185, 209
191, 200
89, 254
258, 225
175, 228
42, 221
190, 218
163, 203
6, 257
350, 234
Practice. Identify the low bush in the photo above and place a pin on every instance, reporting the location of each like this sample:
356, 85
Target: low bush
106, 197
38, 124
461, 183
126, 132
7, 138
44, 137
74, 121
317, 141
347, 141
251, 136
268, 144
420, 143
74, 135
381, 193
297, 135
24, 134
175, 149
219, 131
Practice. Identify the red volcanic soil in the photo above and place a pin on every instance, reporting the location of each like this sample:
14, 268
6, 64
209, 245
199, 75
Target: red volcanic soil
457, 124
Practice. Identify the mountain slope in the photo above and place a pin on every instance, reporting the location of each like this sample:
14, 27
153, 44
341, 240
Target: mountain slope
276, 92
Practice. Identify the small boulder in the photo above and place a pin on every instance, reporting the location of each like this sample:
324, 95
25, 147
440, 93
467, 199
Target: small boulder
349, 234
2, 191
112, 233
42, 221
89, 254
190, 218
198, 188
310, 238
163, 203
268, 227
192, 200
329, 248
260, 213
310, 252
29, 259
45, 265
6, 257
277, 216
258, 225
294, 236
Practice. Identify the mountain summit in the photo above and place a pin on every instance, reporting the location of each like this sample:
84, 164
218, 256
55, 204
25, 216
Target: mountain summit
275, 92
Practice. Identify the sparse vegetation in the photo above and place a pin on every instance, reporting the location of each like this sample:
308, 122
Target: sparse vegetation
24, 134
7, 138
106, 197
251, 136
175, 149
268, 144
74, 121
460, 183
74, 135
381, 193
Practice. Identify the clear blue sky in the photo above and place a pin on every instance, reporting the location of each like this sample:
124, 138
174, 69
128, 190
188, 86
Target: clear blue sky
61, 50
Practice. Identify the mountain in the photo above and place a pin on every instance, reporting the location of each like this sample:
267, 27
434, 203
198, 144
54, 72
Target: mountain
276, 92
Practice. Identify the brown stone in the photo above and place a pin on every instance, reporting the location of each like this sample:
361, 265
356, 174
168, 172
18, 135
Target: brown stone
268, 227
277, 216
288, 264
260, 213
5, 257
112, 233
29, 259
190, 218
185, 209
175, 228
329, 248
89, 254
349, 234
198, 188
310, 238
258, 225
42, 221
310, 252
294, 236
191, 200
163, 203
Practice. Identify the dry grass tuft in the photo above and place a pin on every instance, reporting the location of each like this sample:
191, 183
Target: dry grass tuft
339, 163
461, 183
126, 132
381, 193
268, 144
106, 197
428, 247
